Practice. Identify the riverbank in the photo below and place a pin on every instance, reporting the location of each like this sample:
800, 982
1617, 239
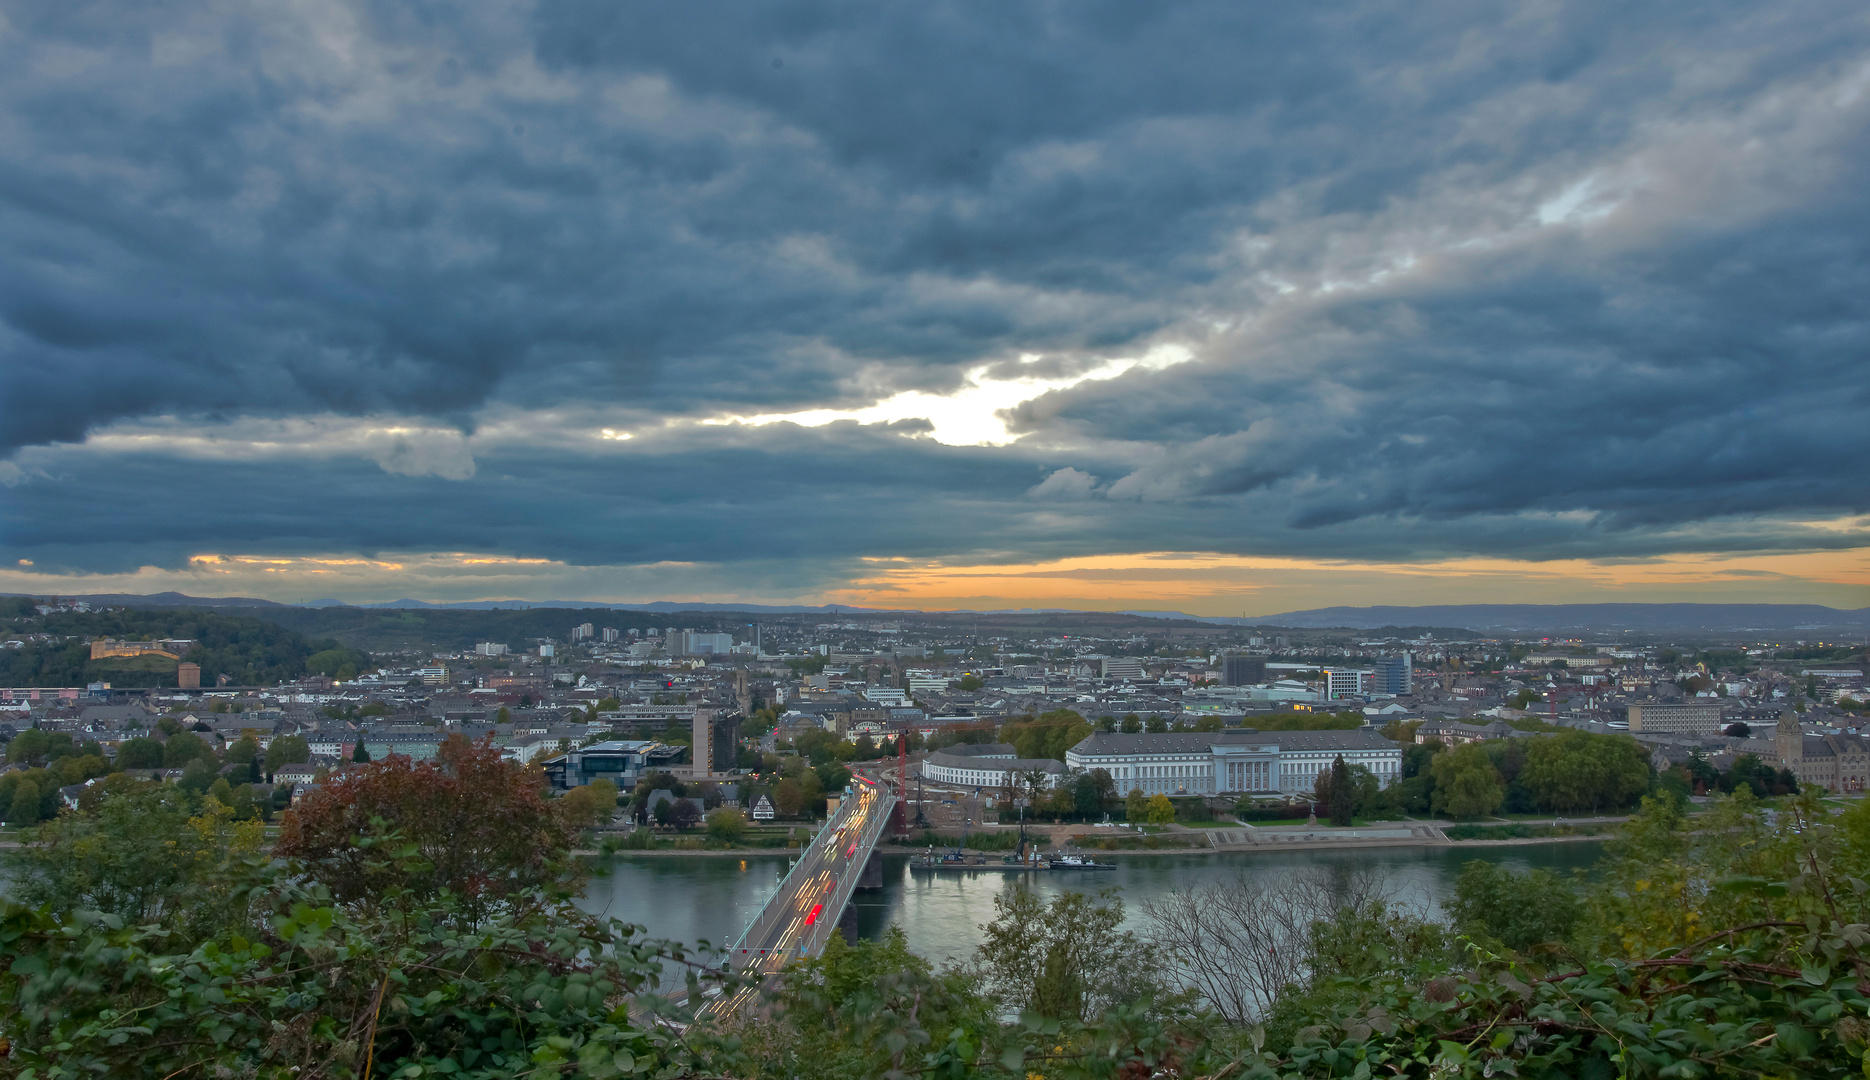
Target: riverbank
1311, 844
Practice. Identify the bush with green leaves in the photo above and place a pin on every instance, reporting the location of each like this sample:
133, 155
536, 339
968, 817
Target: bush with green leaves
305, 987
1519, 911
1733, 948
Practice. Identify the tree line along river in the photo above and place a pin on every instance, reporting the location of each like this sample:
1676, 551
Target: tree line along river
689, 898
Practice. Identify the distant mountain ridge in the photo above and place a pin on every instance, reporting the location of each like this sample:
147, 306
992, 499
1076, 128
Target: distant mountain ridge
1473, 617
1543, 617
176, 599
161, 599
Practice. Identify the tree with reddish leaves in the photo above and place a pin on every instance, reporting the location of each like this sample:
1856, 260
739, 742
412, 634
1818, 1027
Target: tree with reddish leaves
467, 821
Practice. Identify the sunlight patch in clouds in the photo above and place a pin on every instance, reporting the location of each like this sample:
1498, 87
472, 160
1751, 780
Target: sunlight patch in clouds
972, 415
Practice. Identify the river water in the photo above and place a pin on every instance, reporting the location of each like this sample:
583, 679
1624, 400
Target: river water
691, 898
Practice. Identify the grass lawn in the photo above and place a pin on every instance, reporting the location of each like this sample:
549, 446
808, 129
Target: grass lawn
1520, 830
1133, 842
1547, 815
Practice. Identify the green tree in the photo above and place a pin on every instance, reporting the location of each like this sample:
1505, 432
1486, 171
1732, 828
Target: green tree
1354, 945
812, 792
242, 750
591, 804
1048, 735
143, 855
30, 746
868, 1010
197, 776
1135, 807
1343, 803
1069, 959
727, 825
1577, 770
533, 988
1090, 790
788, 798
287, 750
1161, 811
1518, 910
1416, 758
141, 752
969, 683
1132, 724
184, 747
25, 806
360, 754
1466, 783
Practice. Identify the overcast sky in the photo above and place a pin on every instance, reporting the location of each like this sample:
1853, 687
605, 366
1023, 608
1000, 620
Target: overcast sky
1221, 307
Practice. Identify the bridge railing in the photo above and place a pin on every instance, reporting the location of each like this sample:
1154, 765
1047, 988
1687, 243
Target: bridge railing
779, 905
761, 922
847, 883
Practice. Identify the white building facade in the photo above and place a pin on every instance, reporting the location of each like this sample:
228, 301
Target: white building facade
1241, 762
989, 765
1345, 682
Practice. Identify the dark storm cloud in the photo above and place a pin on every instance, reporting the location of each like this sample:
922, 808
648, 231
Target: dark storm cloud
216, 214
1528, 386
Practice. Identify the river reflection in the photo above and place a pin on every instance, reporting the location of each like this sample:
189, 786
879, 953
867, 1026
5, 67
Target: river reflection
687, 898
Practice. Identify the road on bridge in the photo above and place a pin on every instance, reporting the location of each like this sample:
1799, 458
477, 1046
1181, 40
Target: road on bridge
798, 920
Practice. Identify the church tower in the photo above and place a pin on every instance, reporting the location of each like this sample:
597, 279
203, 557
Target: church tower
1789, 741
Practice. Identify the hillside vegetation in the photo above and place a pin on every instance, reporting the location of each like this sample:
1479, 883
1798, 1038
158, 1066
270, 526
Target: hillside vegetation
248, 650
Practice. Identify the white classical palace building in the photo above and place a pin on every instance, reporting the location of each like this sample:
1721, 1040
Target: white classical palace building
1236, 762
988, 765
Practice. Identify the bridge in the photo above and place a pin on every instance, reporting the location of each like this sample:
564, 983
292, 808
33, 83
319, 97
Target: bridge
801, 917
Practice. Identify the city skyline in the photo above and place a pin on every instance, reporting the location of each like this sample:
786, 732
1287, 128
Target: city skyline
1205, 309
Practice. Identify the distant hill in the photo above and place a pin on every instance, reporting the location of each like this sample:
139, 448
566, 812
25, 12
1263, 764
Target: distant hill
1525, 618
377, 626
161, 600
176, 599
527, 605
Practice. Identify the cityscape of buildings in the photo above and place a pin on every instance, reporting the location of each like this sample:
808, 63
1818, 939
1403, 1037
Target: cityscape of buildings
1174, 705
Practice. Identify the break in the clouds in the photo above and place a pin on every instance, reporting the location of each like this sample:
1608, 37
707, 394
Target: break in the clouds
783, 288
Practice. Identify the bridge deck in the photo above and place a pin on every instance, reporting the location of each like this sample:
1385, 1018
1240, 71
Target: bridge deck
800, 917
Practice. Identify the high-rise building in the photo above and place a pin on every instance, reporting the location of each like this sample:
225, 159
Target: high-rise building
1344, 682
188, 676
582, 631
694, 643
1243, 670
1122, 667
610, 634
714, 733
1396, 675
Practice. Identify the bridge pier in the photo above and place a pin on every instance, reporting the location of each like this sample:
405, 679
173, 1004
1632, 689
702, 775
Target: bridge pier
847, 924
871, 876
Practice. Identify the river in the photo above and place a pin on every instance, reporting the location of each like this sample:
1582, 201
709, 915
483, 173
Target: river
690, 898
